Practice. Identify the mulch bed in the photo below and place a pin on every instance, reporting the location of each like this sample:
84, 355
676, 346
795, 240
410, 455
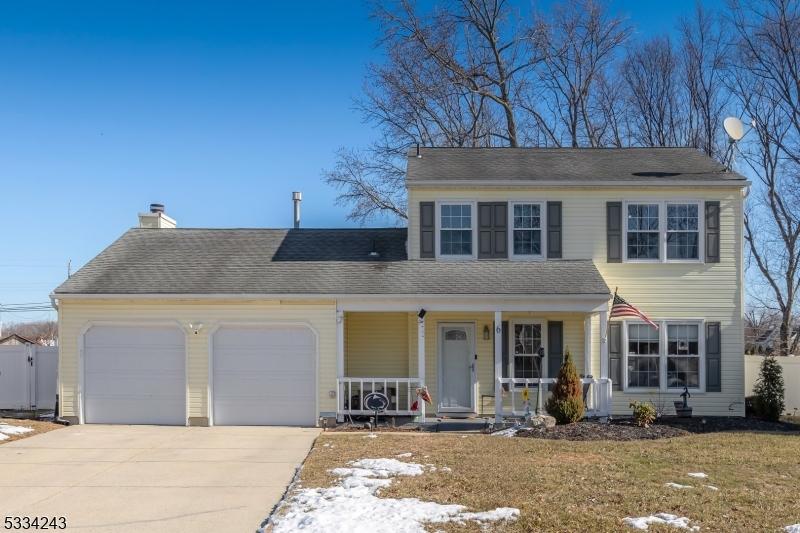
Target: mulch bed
627, 430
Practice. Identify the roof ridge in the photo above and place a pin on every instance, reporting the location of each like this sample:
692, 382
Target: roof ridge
272, 229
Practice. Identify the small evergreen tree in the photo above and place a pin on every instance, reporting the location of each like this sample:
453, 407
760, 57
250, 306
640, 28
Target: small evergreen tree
566, 402
769, 390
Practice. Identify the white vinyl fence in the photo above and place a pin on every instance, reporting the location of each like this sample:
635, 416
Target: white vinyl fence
28, 375
791, 379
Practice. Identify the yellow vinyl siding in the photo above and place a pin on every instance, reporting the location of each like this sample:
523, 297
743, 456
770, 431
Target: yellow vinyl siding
75, 315
708, 291
376, 344
573, 339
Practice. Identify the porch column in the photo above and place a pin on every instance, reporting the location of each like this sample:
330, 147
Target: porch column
421, 361
498, 367
604, 344
339, 363
587, 345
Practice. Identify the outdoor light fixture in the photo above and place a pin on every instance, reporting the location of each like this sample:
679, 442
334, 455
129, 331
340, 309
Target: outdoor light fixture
422, 313
486, 333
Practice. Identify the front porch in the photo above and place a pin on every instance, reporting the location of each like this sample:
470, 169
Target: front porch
474, 363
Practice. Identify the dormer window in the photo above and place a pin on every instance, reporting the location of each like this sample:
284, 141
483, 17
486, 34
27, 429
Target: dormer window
455, 230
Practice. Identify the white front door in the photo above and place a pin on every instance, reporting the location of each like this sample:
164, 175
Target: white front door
456, 368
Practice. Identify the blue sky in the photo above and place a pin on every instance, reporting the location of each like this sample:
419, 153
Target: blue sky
217, 109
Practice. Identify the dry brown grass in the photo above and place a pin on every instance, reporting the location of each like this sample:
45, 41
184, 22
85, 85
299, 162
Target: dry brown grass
590, 486
38, 426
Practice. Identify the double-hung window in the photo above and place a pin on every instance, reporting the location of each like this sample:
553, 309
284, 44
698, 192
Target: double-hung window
455, 233
527, 341
683, 231
643, 232
683, 356
527, 230
664, 231
643, 356
668, 358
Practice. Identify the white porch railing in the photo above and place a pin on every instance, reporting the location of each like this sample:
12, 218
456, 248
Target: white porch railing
350, 392
597, 395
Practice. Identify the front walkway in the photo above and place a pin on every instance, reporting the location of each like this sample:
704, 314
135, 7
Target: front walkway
152, 478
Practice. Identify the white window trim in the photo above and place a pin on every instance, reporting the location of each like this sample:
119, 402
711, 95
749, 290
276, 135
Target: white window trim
438, 226
662, 355
542, 228
511, 355
662, 230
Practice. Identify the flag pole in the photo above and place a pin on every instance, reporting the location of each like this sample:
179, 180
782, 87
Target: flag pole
608, 328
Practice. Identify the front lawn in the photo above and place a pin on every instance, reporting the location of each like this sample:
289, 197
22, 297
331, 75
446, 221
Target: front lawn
588, 486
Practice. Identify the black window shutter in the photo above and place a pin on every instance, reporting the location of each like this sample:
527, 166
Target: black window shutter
554, 230
505, 352
427, 229
614, 232
713, 357
712, 232
492, 230
555, 348
500, 222
615, 354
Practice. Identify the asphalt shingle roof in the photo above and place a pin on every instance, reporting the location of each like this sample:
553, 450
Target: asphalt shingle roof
309, 261
565, 164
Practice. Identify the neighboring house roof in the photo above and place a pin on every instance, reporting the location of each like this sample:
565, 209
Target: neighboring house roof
9, 339
658, 165
309, 261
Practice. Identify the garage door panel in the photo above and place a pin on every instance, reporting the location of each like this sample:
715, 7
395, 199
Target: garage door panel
134, 375
264, 376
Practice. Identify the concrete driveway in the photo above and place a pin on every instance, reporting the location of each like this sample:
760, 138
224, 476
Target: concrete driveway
152, 478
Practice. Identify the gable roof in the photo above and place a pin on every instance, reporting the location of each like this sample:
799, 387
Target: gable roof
308, 262
582, 165
17, 337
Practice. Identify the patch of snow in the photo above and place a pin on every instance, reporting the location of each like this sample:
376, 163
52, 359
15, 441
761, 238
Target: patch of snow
509, 432
795, 528
446, 469
698, 475
464, 436
401, 455
371, 436
712, 487
14, 430
353, 504
643, 522
677, 486
3, 437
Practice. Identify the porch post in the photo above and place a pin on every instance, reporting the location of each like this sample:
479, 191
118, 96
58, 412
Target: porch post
587, 345
603, 344
498, 367
421, 361
339, 364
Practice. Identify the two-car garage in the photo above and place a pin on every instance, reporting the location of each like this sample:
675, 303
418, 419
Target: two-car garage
258, 375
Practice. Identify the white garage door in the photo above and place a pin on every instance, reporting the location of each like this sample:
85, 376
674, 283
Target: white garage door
134, 375
264, 376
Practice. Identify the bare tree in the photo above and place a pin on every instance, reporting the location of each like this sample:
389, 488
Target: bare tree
650, 71
44, 332
704, 51
765, 83
577, 44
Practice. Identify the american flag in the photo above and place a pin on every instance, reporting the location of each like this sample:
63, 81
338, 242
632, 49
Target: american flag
622, 308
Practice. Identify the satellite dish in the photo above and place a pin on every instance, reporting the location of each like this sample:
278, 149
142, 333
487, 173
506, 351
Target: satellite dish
734, 128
